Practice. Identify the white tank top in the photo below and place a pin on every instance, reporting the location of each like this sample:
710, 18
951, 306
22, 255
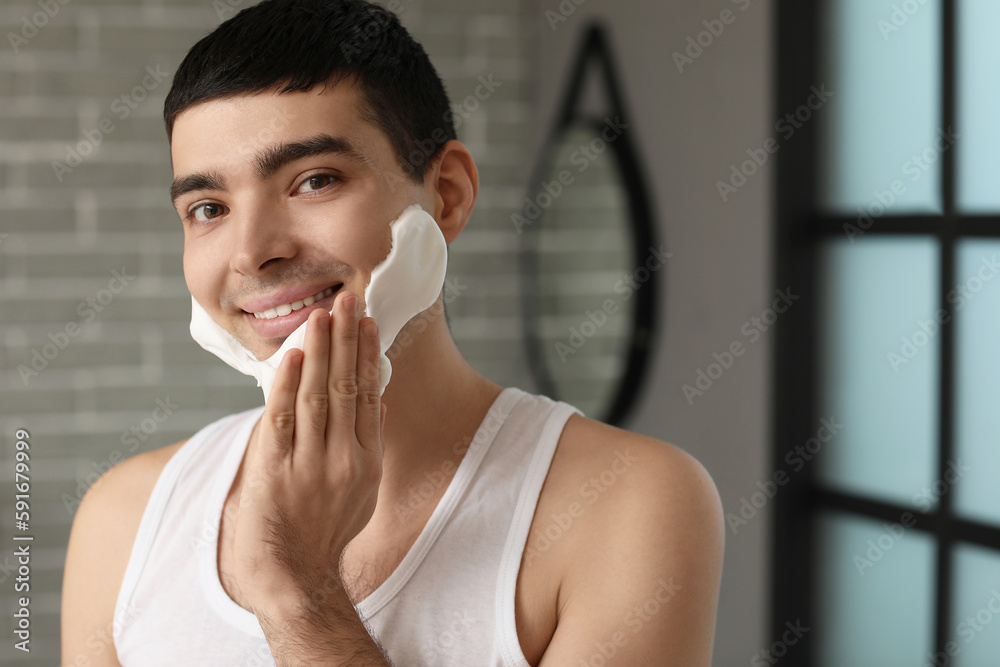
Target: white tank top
449, 602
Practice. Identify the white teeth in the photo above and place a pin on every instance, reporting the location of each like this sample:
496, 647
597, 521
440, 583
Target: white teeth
280, 311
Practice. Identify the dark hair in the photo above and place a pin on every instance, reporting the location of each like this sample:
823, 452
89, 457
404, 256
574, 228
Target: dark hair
302, 43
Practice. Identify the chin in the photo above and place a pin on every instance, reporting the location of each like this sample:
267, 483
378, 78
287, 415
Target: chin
265, 354
260, 349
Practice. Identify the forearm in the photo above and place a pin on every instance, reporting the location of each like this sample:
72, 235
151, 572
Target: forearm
322, 629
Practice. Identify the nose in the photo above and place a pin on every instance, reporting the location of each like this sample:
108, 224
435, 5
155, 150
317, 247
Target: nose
261, 235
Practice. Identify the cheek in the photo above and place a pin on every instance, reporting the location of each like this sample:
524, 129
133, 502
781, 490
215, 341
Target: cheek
190, 277
377, 247
199, 272
373, 249
359, 238
380, 243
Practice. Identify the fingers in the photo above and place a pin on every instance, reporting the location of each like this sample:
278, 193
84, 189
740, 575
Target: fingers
369, 406
342, 380
312, 404
278, 422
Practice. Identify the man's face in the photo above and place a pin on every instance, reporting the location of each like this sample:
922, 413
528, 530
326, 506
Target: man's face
288, 195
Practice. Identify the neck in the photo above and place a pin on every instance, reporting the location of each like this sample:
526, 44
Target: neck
435, 401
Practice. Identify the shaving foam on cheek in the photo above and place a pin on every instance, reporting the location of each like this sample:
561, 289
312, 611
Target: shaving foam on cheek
405, 283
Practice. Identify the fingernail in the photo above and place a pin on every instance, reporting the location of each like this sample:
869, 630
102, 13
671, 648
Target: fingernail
370, 328
351, 304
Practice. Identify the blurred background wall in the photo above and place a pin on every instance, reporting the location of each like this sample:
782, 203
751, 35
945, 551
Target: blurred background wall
694, 117
94, 328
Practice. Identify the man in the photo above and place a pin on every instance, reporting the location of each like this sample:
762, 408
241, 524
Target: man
299, 130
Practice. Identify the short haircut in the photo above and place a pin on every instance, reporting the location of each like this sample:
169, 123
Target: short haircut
298, 44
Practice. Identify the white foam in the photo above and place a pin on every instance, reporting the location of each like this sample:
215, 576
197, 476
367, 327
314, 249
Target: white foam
405, 283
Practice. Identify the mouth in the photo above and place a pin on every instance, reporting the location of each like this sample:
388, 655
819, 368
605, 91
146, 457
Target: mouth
285, 309
280, 321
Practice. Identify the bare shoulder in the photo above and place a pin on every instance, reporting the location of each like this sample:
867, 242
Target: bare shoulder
588, 446
647, 540
100, 543
637, 484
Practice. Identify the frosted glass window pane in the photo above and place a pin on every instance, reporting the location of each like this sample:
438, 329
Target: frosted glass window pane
883, 121
875, 593
875, 294
976, 303
978, 105
975, 608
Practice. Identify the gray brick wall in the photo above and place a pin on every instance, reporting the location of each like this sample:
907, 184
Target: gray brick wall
91, 284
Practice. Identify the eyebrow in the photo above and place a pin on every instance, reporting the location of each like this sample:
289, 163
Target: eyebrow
268, 161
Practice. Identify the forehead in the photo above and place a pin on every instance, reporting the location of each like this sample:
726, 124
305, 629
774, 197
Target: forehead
220, 133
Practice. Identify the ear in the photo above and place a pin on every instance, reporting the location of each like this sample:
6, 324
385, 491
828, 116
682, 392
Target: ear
454, 181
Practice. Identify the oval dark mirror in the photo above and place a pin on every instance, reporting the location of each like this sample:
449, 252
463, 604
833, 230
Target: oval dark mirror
586, 240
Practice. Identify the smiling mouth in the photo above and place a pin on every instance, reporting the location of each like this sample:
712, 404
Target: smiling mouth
285, 309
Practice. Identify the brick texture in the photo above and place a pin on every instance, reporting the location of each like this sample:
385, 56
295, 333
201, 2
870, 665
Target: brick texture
72, 80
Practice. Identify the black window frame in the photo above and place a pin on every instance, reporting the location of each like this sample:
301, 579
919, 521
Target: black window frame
800, 228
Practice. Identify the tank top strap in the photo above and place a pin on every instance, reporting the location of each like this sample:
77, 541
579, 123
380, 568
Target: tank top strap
198, 457
507, 642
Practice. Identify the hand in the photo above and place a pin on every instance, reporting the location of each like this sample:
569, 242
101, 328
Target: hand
313, 482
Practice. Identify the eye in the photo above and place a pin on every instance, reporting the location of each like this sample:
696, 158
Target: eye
317, 182
204, 212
